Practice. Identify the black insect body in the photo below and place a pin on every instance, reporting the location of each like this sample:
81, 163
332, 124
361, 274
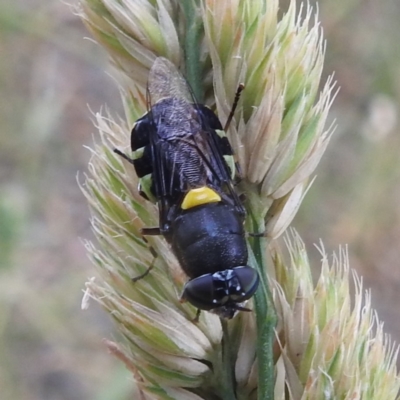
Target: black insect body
185, 165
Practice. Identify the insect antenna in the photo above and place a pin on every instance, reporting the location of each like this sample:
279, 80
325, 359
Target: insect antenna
234, 105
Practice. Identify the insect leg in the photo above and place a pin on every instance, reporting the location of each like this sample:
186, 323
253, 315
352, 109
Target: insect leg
151, 231
234, 105
145, 273
261, 234
195, 320
123, 155
239, 173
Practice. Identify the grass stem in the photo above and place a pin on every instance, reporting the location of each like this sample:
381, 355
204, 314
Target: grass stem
191, 45
265, 317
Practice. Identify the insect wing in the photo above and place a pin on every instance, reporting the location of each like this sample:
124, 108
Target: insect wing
165, 81
186, 150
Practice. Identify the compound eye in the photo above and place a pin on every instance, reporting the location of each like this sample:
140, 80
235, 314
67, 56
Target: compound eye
200, 292
248, 279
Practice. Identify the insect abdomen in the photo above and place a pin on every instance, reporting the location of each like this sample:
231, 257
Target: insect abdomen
209, 238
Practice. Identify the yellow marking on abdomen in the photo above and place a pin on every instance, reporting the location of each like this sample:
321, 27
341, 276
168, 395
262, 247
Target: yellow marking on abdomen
199, 196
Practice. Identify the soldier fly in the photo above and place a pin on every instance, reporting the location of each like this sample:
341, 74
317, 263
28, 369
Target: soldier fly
185, 164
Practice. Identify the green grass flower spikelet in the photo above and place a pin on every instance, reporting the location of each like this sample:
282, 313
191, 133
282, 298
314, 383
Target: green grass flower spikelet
279, 134
324, 344
331, 343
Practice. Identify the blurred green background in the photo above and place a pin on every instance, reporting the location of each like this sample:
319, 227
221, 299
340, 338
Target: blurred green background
49, 74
